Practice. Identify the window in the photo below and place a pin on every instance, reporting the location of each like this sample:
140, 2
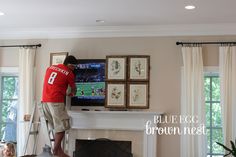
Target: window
213, 116
8, 107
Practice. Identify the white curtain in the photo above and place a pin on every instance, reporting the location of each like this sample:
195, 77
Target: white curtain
26, 92
192, 101
227, 62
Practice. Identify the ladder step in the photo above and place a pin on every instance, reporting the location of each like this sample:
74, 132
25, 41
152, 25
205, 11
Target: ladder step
35, 122
33, 132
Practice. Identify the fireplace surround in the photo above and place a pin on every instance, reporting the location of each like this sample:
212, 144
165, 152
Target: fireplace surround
114, 120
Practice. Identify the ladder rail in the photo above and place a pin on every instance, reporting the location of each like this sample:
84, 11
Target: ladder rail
29, 130
36, 139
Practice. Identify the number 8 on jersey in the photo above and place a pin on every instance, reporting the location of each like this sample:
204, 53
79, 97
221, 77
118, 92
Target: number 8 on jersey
52, 77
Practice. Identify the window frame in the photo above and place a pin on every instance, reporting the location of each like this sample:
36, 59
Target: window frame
7, 72
212, 72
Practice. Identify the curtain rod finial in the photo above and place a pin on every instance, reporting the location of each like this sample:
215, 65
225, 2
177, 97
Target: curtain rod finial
178, 43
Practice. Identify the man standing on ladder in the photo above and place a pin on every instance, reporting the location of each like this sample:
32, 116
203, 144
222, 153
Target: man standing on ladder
56, 81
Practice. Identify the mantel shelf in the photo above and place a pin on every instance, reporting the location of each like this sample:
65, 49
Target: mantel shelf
113, 120
115, 112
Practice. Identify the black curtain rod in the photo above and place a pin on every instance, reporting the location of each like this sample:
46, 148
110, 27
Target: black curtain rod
38, 45
202, 43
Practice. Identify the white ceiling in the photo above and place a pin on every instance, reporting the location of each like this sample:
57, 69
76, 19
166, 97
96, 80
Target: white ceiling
73, 16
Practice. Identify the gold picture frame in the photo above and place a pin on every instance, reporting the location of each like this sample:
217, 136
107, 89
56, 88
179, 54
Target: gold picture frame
58, 58
138, 95
116, 68
138, 68
115, 95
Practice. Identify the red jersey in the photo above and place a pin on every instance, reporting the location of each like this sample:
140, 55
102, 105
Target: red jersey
56, 81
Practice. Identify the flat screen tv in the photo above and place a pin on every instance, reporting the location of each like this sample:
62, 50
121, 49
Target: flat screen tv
90, 83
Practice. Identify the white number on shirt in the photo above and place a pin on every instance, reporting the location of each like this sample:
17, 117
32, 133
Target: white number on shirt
52, 78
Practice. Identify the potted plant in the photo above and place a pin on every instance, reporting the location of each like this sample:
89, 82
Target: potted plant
230, 151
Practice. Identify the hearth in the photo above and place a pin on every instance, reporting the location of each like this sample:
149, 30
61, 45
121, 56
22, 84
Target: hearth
102, 148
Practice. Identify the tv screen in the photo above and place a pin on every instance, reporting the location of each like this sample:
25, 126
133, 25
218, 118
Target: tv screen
90, 83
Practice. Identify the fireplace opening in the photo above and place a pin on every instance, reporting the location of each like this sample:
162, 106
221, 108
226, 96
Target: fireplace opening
102, 148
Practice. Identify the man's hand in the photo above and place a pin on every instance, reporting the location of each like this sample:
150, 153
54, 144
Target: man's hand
71, 94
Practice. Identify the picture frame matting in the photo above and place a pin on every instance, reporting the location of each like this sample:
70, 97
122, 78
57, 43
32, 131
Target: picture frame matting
115, 95
116, 68
57, 57
138, 95
139, 68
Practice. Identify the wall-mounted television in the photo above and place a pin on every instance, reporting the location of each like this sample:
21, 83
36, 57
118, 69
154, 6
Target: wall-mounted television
90, 83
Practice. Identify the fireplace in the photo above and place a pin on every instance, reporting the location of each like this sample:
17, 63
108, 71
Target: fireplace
131, 121
102, 148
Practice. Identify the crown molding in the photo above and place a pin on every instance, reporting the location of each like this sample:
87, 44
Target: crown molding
118, 31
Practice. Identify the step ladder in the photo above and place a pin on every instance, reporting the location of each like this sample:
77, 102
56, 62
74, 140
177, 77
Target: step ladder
34, 128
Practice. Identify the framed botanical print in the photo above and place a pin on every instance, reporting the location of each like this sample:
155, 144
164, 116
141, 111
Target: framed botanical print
116, 68
138, 68
115, 95
138, 95
57, 58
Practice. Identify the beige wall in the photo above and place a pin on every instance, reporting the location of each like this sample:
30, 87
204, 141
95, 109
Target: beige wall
166, 62
8, 58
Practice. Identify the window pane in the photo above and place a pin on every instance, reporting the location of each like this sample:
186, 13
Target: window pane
208, 117
10, 87
9, 110
215, 89
208, 140
207, 88
9, 132
216, 115
2, 129
217, 136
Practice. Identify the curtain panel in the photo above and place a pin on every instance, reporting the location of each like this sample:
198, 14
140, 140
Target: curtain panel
227, 66
192, 101
26, 92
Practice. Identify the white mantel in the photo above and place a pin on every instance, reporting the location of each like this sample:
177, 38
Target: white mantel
117, 120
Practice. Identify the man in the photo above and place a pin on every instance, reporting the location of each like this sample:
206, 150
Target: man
56, 81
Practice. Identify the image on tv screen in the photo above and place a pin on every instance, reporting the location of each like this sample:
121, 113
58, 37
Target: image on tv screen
90, 83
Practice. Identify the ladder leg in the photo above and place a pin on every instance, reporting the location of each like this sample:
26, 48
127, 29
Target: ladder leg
29, 131
36, 138
65, 141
